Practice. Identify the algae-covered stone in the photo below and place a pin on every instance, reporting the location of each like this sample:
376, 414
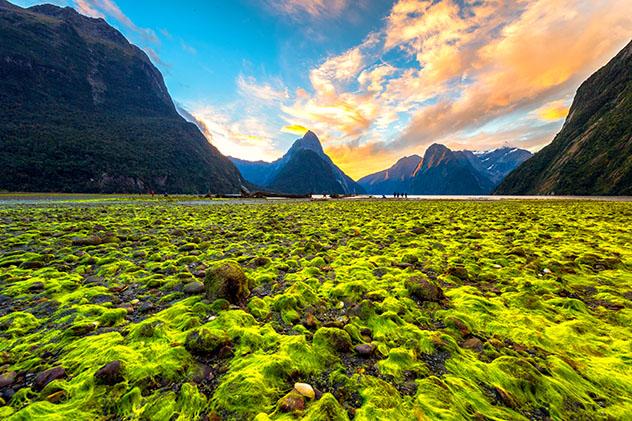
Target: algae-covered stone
206, 341
110, 374
227, 281
424, 290
334, 338
459, 272
291, 402
7, 379
410, 259
326, 408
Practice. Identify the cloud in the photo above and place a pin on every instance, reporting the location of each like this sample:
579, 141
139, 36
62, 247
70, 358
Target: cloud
442, 70
296, 129
108, 8
312, 8
248, 138
248, 87
553, 111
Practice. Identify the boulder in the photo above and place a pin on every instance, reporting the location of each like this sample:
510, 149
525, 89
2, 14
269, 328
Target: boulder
227, 281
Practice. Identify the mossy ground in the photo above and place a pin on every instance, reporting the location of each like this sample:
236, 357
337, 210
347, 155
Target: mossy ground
533, 322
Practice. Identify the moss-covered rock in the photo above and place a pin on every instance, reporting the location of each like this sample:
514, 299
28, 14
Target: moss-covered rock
227, 281
423, 289
206, 341
333, 338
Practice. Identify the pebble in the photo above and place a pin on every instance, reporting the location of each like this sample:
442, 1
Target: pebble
305, 390
365, 350
45, 377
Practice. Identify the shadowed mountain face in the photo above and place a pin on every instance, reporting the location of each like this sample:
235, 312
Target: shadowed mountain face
305, 168
592, 154
83, 110
442, 171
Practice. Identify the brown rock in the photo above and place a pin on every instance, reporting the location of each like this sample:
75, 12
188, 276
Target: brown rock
365, 350
423, 290
7, 379
474, 344
45, 377
110, 374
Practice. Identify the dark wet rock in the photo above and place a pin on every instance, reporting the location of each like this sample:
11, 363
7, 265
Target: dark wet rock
36, 286
418, 230
32, 264
334, 338
291, 402
227, 281
422, 289
110, 374
379, 272
193, 288
7, 379
83, 329
93, 240
206, 341
365, 350
459, 272
473, 343
45, 377
146, 307
261, 261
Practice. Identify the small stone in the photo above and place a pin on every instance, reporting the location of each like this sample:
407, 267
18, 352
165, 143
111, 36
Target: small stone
305, 390
291, 402
365, 350
45, 377
193, 288
7, 379
110, 374
473, 343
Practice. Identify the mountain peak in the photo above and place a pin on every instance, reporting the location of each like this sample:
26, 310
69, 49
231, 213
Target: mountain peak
435, 154
310, 142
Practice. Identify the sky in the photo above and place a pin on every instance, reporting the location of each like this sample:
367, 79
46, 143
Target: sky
376, 80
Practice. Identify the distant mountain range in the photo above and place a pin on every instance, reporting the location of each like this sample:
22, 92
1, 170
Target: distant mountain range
83, 110
442, 171
304, 169
592, 154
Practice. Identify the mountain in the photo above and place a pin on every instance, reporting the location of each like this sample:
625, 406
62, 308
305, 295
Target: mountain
83, 110
394, 179
592, 154
305, 168
442, 171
